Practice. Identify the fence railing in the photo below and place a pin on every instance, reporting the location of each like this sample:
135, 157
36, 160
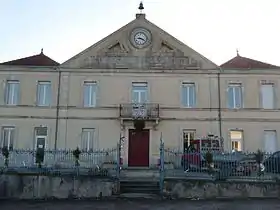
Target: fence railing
62, 161
219, 166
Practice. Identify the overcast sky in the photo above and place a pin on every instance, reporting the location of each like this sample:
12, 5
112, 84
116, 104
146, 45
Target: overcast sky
214, 28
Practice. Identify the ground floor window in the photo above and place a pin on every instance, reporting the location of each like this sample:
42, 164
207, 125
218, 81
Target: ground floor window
8, 137
41, 134
270, 141
236, 139
88, 140
188, 137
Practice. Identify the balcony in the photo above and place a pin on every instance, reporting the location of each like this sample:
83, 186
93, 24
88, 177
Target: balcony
139, 111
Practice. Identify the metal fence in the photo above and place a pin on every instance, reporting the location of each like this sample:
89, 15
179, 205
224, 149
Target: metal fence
226, 166
62, 161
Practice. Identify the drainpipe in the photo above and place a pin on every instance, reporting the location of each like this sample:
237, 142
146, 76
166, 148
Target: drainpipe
57, 109
219, 103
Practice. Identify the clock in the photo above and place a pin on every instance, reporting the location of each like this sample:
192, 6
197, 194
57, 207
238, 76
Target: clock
140, 37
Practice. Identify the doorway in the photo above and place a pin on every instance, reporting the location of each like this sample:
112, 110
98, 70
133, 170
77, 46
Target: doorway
138, 148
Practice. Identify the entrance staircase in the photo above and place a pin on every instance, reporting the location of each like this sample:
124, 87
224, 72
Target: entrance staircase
139, 183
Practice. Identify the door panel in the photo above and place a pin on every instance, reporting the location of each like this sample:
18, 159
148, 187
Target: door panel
138, 148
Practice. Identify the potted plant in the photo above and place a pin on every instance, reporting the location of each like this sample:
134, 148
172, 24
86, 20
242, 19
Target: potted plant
259, 157
5, 153
76, 154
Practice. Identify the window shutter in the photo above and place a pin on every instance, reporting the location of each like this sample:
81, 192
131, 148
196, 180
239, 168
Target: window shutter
92, 139
5, 92
242, 94
96, 139
97, 94
230, 101
134, 95
184, 96
18, 87
275, 98
83, 140
49, 94
192, 96
148, 93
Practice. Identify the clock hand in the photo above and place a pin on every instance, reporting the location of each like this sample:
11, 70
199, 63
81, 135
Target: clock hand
141, 38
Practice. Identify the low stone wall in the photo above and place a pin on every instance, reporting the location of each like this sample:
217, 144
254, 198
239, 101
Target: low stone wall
41, 187
207, 189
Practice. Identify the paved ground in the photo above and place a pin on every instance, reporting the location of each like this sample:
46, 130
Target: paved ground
143, 205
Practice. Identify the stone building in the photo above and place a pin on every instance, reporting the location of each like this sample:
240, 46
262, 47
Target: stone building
138, 71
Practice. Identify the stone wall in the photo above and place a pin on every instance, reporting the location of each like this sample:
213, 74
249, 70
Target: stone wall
39, 187
206, 189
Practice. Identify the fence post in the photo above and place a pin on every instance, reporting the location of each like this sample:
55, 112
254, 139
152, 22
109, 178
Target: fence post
118, 169
161, 166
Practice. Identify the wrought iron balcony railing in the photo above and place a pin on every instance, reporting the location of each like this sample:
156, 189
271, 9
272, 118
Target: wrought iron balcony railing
139, 111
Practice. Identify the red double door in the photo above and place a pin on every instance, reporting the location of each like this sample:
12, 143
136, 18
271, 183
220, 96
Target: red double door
138, 148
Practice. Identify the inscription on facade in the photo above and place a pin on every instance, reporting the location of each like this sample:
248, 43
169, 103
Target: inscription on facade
140, 62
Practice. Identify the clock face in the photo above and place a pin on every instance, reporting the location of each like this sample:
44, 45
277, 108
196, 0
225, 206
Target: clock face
140, 37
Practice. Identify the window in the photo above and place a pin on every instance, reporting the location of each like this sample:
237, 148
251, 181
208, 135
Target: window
270, 141
188, 95
90, 89
236, 138
88, 139
188, 137
8, 137
41, 134
139, 93
44, 93
235, 98
12, 92
267, 96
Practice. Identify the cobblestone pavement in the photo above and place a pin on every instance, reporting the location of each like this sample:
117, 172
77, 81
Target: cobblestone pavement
143, 205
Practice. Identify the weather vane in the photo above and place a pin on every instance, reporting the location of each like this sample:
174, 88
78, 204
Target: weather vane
237, 52
141, 7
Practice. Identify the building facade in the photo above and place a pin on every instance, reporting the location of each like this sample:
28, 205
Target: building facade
139, 71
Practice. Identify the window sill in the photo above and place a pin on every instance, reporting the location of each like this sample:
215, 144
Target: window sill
43, 106
189, 107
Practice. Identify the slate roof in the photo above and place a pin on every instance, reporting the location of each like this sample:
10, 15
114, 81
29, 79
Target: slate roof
240, 62
34, 60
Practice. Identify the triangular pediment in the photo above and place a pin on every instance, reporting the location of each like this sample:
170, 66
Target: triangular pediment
118, 50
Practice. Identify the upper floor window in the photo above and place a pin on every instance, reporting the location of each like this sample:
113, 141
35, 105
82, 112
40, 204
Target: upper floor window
188, 95
12, 92
139, 92
44, 93
90, 91
267, 96
8, 137
88, 140
235, 96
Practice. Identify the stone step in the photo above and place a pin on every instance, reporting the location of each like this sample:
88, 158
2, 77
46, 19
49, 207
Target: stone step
144, 186
139, 173
139, 195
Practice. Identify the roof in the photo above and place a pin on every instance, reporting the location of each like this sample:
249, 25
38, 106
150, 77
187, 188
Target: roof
240, 62
35, 60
